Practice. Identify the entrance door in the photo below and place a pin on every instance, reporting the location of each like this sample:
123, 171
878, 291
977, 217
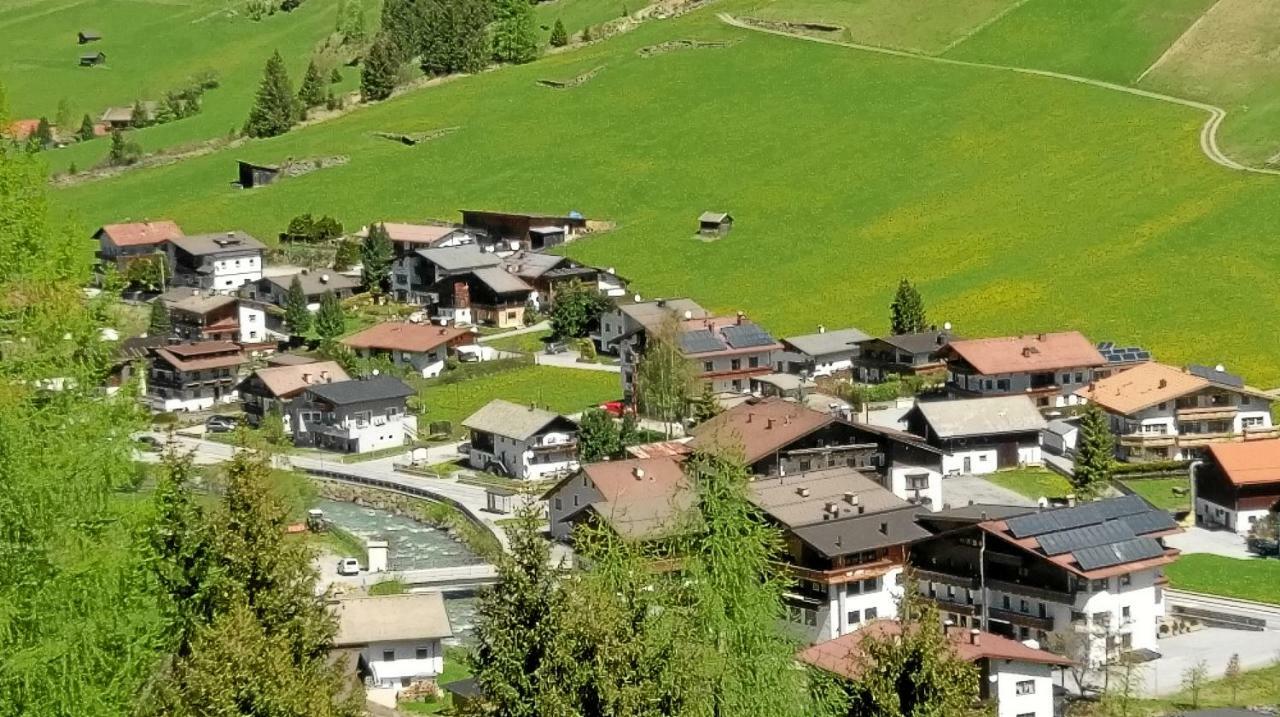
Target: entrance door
968, 465
1007, 455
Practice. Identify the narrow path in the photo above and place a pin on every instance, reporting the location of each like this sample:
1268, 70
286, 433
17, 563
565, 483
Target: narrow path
1208, 132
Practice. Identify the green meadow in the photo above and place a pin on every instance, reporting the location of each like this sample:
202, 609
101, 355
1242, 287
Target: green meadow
1017, 203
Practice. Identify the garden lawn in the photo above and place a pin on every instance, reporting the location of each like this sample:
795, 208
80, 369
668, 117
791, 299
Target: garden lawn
1255, 579
1006, 198
1032, 482
564, 390
151, 48
522, 343
1159, 492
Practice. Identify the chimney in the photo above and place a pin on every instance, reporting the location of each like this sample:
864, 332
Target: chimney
1163, 383
833, 508
306, 377
851, 498
461, 295
884, 528
822, 329
1039, 337
941, 339
532, 406
975, 637
803, 492
741, 317
324, 376
839, 542
662, 303
638, 472
861, 509
749, 417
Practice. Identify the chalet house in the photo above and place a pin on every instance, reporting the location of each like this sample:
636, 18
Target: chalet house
415, 273
546, 272
122, 117
420, 347
400, 638
727, 351
1159, 412
523, 442
218, 262
357, 416
272, 389
820, 354
639, 499
406, 238
623, 327
274, 289
1048, 367
120, 243
781, 385
507, 231
195, 376
846, 541
1017, 677
778, 437
714, 224
1238, 484
198, 316
875, 360
484, 296
1092, 573
980, 435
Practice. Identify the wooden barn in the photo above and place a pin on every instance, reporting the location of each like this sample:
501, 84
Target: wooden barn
257, 175
93, 59
714, 224
84, 37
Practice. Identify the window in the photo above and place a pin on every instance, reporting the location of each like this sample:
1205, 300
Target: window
1066, 379
855, 617
854, 588
735, 364
1005, 602
1244, 400
918, 481
1163, 405
388, 655
708, 366
559, 504
392, 412
253, 334
1251, 421
987, 384
869, 614
1044, 610
575, 501
1079, 377
870, 585
1002, 384
422, 653
253, 318
1026, 687
1125, 580
753, 361
1024, 607
1098, 586
1102, 618
1124, 612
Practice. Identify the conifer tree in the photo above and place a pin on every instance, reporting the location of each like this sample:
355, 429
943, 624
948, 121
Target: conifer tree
907, 312
376, 254
705, 407
275, 109
1095, 454
311, 94
454, 36
330, 318
44, 133
159, 324
86, 132
598, 437
559, 37
335, 76
296, 313
140, 116
515, 34
378, 74
63, 117
347, 255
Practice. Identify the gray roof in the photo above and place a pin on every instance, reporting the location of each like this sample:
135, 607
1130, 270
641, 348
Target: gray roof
783, 381
863, 532
650, 314
387, 618
531, 264
373, 388
315, 282
203, 244
202, 304
827, 342
921, 343
981, 416
804, 498
977, 512
1211, 373
1061, 427
504, 418
459, 258
714, 217
501, 281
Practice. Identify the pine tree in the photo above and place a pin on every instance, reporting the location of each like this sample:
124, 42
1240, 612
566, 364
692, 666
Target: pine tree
454, 36
705, 407
331, 320
353, 28
181, 554
376, 254
402, 23
1095, 454
86, 129
275, 110
515, 34
335, 76
559, 37
140, 117
311, 94
598, 437
44, 133
123, 150
346, 256
159, 324
380, 69
296, 313
906, 315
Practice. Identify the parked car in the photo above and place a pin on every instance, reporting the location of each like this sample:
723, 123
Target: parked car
348, 566
1263, 546
555, 347
220, 424
617, 409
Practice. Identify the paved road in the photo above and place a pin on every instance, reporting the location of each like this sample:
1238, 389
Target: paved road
1215, 542
569, 359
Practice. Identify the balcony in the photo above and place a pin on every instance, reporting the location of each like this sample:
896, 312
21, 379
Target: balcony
1023, 619
959, 608
1204, 439
838, 576
932, 576
1206, 413
1057, 596
1148, 440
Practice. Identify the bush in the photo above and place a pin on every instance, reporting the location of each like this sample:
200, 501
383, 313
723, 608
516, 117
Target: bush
1121, 469
165, 419
466, 372
305, 228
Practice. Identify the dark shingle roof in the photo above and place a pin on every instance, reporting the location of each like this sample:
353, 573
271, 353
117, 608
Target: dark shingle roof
374, 388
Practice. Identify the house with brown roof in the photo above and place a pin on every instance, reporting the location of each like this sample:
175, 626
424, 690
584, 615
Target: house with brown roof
119, 243
876, 359
1016, 677
1238, 484
780, 437
420, 347
1161, 412
221, 262
486, 295
197, 315
845, 544
1048, 367
194, 376
419, 269
511, 231
273, 389
639, 499
399, 638
275, 289
1092, 573
546, 273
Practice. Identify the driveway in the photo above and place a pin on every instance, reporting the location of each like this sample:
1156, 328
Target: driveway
962, 490
1216, 542
569, 359
1214, 646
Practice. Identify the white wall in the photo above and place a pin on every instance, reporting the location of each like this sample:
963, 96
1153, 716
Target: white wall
828, 367
1144, 600
1211, 514
1008, 673
203, 403
406, 664
253, 324
898, 483
982, 460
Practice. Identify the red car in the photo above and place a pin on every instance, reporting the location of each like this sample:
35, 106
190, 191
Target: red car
617, 409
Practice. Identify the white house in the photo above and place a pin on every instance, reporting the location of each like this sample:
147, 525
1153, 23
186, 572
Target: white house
980, 435
218, 262
400, 637
820, 354
194, 376
366, 414
253, 323
523, 442
422, 348
1018, 677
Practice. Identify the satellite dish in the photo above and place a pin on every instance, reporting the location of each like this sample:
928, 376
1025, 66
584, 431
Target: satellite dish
946, 326
1220, 368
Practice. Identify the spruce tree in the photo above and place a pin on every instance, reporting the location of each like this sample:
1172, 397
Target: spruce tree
454, 36
376, 255
347, 255
275, 110
378, 74
598, 437
559, 37
335, 76
906, 315
159, 324
515, 34
705, 407
296, 313
181, 555
311, 94
330, 318
44, 133
1095, 454
86, 129
140, 116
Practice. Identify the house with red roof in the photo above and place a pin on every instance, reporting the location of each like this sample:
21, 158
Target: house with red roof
1238, 484
1048, 367
421, 347
121, 243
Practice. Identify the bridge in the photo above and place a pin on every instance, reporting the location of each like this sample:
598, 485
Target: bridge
461, 579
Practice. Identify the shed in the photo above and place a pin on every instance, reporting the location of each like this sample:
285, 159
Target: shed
93, 59
715, 224
499, 500
257, 175
87, 36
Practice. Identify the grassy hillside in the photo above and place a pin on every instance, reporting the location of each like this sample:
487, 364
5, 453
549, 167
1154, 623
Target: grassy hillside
578, 14
1017, 203
924, 26
151, 48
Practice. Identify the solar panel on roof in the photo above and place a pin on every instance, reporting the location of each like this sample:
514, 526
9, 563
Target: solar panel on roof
700, 341
1066, 541
1152, 521
1124, 505
1105, 556
1144, 355
1211, 373
1105, 345
746, 335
